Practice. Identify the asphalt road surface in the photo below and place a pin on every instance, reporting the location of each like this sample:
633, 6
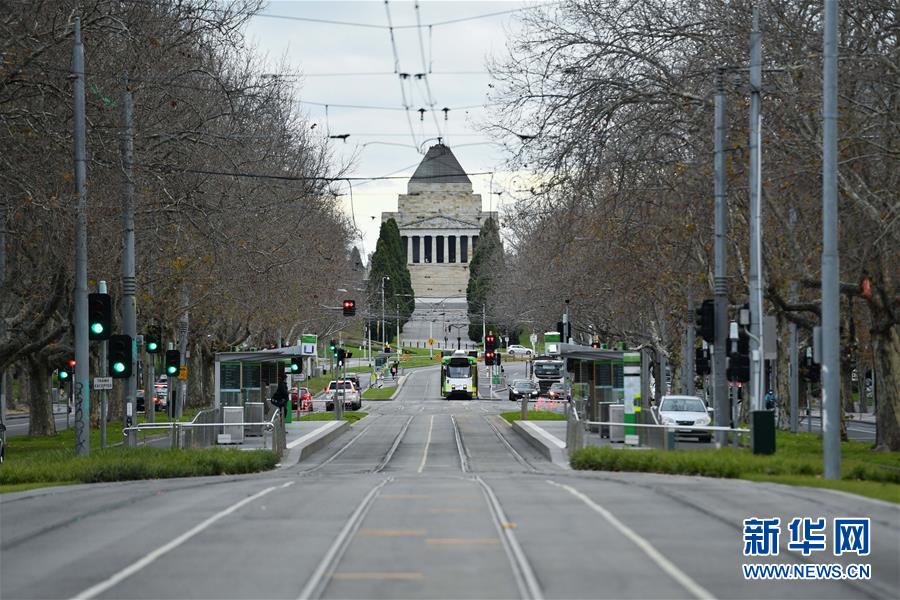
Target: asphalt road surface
425, 498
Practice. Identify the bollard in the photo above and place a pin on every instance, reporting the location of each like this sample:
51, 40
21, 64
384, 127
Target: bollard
524, 414
174, 436
670, 439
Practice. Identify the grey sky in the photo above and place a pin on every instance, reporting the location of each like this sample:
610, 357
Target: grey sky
381, 139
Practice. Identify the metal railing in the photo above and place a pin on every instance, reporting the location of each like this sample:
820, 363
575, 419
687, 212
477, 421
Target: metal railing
178, 431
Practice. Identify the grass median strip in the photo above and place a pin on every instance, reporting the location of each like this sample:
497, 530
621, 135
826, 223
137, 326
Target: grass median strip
384, 393
797, 461
533, 415
352, 416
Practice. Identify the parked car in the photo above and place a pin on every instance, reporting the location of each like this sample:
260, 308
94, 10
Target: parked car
354, 378
523, 388
687, 411
516, 349
560, 391
350, 392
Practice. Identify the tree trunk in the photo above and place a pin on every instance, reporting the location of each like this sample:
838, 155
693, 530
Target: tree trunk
887, 355
41, 421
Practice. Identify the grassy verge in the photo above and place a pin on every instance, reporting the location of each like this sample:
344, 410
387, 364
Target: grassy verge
384, 393
797, 461
351, 416
533, 415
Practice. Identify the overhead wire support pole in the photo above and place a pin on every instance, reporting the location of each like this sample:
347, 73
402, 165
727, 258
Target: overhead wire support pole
831, 399
129, 312
720, 386
756, 306
81, 385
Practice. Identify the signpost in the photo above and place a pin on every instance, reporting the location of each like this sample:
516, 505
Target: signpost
103, 383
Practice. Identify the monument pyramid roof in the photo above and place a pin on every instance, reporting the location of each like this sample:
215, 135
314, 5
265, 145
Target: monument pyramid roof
439, 166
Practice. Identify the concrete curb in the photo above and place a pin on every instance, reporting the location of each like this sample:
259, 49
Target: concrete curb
305, 446
547, 445
400, 383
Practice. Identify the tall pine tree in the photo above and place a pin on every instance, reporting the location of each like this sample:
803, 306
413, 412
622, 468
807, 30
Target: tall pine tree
486, 264
390, 260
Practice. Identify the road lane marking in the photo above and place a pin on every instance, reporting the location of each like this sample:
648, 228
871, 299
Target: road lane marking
326, 567
524, 575
139, 564
392, 533
379, 576
427, 443
655, 555
462, 541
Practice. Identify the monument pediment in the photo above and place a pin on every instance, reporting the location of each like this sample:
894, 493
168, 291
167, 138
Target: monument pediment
441, 222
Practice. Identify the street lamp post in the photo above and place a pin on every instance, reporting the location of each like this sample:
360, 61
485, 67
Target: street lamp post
382, 308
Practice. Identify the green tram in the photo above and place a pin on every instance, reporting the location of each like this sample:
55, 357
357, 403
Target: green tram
459, 376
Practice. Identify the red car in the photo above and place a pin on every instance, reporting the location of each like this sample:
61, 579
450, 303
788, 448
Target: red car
302, 399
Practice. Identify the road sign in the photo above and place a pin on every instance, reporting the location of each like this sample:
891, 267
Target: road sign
182, 373
431, 341
103, 383
533, 338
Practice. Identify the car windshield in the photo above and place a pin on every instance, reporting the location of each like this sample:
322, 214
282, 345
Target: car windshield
559, 387
682, 405
524, 385
344, 384
547, 370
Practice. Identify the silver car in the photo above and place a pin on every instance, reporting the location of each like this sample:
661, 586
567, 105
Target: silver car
688, 411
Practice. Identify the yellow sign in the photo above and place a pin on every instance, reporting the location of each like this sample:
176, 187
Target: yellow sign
431, 341
182, 373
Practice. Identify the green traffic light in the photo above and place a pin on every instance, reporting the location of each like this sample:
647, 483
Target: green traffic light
119, 367
152, 346
97, 328
293, 367
171, 370
63, 374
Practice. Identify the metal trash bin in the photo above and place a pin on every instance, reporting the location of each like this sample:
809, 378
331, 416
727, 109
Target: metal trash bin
617, 415
254, 412
233, 414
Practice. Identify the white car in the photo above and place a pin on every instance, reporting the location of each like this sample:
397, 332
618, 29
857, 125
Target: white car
685, 411
345, 389
515, 349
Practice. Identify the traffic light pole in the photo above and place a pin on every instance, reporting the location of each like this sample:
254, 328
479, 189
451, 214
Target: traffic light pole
720, 385
80, 381
129, 313
104, 372
756, 268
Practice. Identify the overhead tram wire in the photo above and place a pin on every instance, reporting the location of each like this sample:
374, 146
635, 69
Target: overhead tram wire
425, 68
387, 9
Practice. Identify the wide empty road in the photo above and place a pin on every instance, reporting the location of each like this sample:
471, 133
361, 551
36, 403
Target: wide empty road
424, 498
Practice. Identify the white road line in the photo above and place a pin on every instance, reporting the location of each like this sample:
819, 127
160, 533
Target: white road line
655, 555
427, 443
463, 462
136, 566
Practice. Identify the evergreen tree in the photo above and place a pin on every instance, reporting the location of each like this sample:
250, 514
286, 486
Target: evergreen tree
486, 265
390, 260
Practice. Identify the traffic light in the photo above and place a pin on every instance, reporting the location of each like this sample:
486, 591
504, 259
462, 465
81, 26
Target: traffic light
490, 343
341, 355
119, 358
489, 358
349, 308
65, 372
738, 368
701, 362
296, 364
387, 349
173, 362
497, 356
332, 347
595, 344
151, 340
99, 316
705, 321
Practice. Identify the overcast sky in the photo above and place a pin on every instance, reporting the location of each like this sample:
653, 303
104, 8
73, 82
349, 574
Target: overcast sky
355, 66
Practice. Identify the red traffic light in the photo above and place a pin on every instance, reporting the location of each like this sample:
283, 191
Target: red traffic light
349, 308
71, 362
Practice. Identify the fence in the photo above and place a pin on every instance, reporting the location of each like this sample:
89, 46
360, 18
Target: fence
203, 431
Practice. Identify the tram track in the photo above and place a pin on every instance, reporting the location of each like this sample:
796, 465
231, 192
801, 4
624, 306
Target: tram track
393, 449
515, 453
463, 457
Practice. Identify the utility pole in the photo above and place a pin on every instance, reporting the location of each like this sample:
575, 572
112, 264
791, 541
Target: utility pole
4, 211
831, 398
382, 310
756, 275
129, 315
81, 381
483, 323
689, 351
793, 351
104, 372
720, 387
183, 351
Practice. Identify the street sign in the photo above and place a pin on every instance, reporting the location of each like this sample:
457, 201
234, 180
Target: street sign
431, 341
182, 373
103, 383
533, 338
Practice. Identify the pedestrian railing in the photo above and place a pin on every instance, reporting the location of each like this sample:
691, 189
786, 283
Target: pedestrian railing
182, 431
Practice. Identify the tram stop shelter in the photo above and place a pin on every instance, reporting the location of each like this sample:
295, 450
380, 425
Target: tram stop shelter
607, 383
251, 376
